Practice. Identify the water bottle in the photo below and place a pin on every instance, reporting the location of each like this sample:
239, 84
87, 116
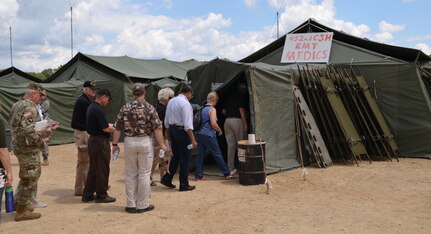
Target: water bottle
161, 153
189, 147
115, 155
9, 199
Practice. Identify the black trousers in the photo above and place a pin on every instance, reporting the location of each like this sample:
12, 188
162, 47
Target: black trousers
180, 156
99, 152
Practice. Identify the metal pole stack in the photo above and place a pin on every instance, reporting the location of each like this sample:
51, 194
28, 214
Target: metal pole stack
339, 103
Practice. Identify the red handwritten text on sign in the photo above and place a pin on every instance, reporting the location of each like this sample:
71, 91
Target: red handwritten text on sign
307, 48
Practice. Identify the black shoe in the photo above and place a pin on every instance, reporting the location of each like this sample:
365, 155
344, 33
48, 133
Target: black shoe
169, 185
130, 210
189, 188
87, 199
106, 199
149, 208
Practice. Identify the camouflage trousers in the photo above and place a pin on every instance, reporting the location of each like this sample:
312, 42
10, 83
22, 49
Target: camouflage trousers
162, 162
45, 151
29, 174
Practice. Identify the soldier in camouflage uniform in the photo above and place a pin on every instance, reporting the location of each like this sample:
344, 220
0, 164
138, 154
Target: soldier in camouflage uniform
27, 144
140, 121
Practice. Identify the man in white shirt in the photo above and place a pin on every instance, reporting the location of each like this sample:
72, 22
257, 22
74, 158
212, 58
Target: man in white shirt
179, 122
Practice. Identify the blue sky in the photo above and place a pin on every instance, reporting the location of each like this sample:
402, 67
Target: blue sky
184, 29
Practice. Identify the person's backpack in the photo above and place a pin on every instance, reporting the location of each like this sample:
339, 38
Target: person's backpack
197, 117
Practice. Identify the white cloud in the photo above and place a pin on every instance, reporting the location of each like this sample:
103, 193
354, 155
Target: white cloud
424, 47
8, 9
199, 38
388, 27
8, 12
386, 30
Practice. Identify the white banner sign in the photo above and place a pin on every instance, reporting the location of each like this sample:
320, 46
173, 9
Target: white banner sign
307, 48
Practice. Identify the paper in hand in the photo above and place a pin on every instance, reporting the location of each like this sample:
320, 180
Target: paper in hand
41, 125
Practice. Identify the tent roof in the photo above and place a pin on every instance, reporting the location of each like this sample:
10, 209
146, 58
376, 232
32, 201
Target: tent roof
125, 66
14, 76
402, 53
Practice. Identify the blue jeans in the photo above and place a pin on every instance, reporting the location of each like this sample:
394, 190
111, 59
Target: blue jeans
210, 143
180, 156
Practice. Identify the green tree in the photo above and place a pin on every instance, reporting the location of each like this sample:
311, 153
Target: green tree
45, 74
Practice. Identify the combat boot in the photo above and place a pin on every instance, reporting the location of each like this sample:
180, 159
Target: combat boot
15, 205
22, 213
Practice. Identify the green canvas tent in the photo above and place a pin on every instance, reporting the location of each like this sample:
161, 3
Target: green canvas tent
62, 97
119, 73
400, 78
394, 73
14, 76
115, 73
271, 101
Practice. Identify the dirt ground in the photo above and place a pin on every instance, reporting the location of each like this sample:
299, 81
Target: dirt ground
382, 197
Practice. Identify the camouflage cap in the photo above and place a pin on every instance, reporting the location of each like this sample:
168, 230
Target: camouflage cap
138, 88
37, 87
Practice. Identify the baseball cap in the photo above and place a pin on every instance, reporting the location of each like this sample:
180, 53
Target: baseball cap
138, 88
104, 92
90, 84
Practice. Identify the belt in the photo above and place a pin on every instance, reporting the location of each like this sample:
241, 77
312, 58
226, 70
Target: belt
138, 136
233, 117
176, 126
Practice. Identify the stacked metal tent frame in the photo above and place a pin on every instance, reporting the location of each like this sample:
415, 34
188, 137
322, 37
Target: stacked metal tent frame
347, 115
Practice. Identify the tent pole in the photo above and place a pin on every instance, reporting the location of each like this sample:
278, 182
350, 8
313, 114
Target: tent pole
10, 45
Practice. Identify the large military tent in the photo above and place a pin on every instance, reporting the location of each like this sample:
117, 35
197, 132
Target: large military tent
115, 73
395, 72
396, 75
118, 73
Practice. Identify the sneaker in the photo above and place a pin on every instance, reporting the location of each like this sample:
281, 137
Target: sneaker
200, 179
39, 205
233, 172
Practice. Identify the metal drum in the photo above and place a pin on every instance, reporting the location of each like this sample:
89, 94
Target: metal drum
251, 162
